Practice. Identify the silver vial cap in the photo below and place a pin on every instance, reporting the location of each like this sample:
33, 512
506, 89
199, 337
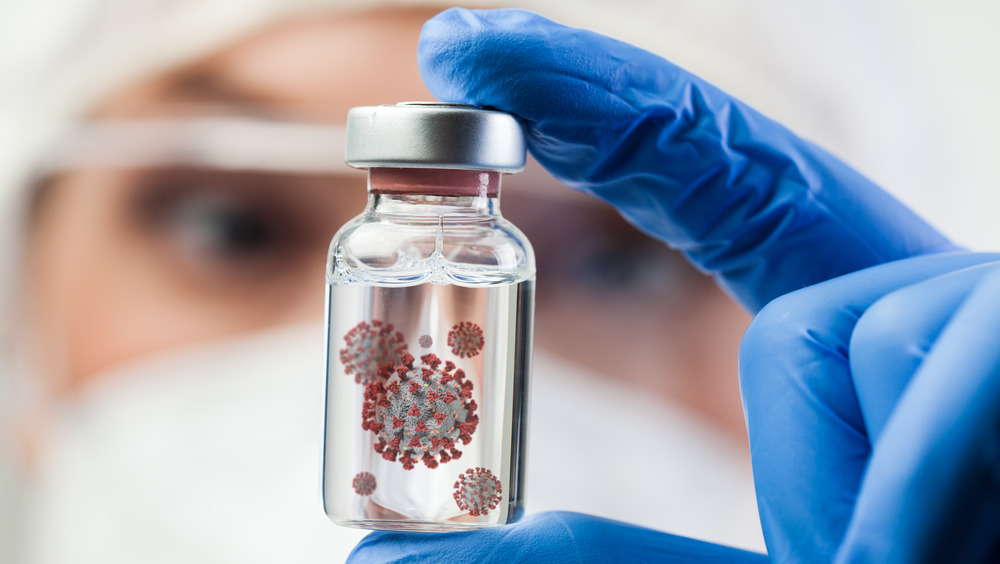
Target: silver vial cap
434, 135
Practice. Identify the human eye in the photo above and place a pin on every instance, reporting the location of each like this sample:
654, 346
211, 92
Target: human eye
230, 224
630, 265
206, 214
587, 248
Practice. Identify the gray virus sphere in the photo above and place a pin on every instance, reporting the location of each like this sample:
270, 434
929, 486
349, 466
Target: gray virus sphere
477, 491
371, 347
420, 412
364, 483
465, 339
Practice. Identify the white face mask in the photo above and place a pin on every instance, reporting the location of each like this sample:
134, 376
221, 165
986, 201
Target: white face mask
659, 466
211, 454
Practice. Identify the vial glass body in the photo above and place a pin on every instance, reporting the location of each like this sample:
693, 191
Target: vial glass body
429, 319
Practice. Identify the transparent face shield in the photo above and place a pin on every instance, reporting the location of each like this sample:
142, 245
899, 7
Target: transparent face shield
237, 144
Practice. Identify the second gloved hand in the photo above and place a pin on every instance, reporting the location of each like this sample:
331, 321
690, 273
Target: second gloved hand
871, 402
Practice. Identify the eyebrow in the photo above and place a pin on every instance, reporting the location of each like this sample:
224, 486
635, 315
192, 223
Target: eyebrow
203, 83
207, 84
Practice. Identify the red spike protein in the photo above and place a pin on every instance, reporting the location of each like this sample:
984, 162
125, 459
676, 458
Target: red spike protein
477, 491
364, 483
371, 347
465, 339
420, 411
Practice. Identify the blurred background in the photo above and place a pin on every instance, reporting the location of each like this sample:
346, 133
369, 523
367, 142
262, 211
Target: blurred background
171, 174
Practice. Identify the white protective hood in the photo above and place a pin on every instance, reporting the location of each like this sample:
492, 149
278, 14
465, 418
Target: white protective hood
841, 74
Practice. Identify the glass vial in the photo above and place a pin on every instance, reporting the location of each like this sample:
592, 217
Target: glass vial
429, 321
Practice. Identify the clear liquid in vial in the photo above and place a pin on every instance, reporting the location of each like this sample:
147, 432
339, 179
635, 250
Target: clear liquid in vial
425, 405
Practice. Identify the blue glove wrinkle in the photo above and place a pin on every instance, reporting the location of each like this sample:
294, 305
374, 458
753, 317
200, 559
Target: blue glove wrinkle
801, 413
746, 200
801, 407
895, 334
932, 489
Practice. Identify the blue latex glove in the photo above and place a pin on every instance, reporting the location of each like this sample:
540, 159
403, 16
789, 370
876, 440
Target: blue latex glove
872, 403
822, 369
549, 538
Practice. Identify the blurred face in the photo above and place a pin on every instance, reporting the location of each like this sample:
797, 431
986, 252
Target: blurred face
128, 262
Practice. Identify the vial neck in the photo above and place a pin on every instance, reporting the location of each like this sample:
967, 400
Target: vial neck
436, 191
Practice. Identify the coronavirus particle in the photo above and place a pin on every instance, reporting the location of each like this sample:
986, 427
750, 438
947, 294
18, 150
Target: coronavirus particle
465, 339
364, 483
370, 348
477, 491
426, 341
420, 412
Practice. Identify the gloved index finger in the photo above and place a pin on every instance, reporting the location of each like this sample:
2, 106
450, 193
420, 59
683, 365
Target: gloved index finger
746, 200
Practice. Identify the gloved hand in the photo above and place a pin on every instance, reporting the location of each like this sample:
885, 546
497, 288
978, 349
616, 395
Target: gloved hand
873, 405
823, 368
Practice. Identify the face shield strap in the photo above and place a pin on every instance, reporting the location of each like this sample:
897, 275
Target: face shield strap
227, 143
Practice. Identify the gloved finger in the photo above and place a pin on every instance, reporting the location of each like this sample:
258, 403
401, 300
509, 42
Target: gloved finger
894, 335
806, 429
931, 493
553, 538
762, 210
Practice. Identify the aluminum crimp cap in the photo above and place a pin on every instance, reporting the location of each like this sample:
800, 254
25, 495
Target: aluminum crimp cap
434, 135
